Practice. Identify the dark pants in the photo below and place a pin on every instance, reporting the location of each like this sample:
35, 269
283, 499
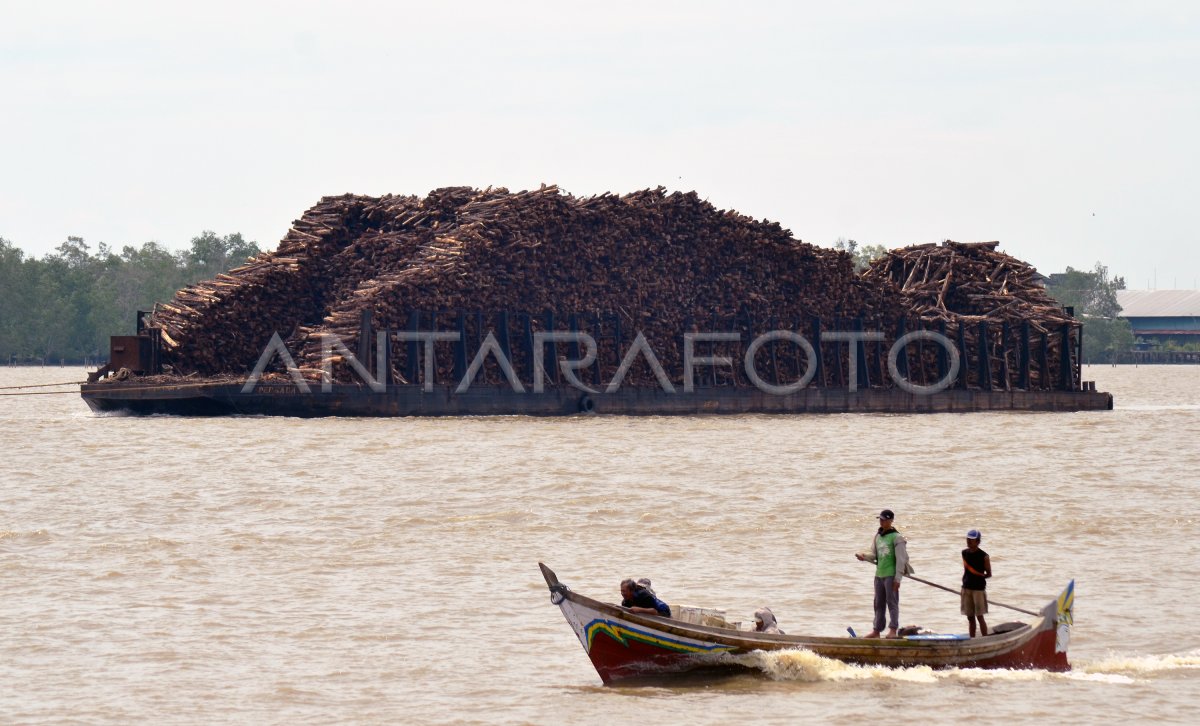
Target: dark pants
887, 598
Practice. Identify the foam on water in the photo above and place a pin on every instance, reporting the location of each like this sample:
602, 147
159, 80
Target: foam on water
807, 666
1141, 665
1161, 407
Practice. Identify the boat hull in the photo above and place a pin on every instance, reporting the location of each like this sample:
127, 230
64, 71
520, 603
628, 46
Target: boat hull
623, 645
220, 399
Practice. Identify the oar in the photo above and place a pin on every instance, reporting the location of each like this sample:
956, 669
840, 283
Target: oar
990, 601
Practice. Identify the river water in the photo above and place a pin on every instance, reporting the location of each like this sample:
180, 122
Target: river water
271, 570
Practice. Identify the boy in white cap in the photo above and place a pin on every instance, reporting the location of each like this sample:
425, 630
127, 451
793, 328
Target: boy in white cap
977, 567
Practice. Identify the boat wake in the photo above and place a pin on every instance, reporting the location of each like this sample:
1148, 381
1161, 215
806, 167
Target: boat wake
806, 666
1162, 407
1141, 665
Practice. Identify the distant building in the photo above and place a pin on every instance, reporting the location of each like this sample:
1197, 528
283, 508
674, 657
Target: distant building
1158, 316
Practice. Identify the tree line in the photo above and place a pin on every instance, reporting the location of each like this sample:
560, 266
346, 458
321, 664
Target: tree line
67, 303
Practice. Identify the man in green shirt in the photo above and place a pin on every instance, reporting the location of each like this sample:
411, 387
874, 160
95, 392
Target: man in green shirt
889, 552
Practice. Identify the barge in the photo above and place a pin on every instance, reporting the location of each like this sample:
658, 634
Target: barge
132, 382
223, 399
490, 302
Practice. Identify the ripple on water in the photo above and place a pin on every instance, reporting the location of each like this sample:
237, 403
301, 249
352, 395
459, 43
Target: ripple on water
277, 570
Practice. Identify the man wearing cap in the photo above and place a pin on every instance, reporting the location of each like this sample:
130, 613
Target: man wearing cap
889, 552
977, 567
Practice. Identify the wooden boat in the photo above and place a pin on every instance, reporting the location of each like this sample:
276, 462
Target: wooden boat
626, 645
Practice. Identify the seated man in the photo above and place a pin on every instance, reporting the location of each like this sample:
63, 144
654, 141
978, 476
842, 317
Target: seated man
764, 622
640, 599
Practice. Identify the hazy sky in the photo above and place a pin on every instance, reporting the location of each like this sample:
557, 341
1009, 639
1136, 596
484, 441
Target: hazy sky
1071, 135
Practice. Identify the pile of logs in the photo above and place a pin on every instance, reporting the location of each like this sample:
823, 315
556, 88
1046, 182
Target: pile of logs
480, 261
967, 280
972, 287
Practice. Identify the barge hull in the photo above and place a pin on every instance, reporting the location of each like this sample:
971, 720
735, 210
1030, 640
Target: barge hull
223, 399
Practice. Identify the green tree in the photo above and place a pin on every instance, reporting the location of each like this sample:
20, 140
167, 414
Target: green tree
67, 304
12, 293
1090, 293
863, 256
1093, 295
59, 310
210, 254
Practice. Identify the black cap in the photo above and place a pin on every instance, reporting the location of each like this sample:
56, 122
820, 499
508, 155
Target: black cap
887, 514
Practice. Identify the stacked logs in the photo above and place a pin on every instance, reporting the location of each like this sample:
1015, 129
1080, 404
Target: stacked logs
222, 325
663, 264
513, 264
971, 290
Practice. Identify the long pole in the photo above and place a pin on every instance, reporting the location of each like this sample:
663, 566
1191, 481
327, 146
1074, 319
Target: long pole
990, 601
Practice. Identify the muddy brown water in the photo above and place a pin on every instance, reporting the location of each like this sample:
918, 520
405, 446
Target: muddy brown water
271, 570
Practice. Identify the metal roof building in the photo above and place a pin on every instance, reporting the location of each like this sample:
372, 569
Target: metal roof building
1162, 314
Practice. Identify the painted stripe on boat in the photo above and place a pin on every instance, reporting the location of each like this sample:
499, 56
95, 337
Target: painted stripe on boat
623, 633
1066, 601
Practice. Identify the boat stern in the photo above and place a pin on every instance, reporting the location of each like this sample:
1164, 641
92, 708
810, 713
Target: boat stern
1064, 618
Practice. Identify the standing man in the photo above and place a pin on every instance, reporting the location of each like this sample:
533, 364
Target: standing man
977, 567
889, 552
